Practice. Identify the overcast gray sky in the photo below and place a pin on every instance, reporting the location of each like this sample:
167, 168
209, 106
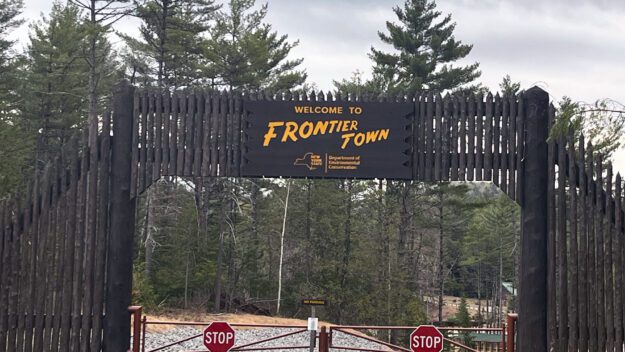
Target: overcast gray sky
568, 47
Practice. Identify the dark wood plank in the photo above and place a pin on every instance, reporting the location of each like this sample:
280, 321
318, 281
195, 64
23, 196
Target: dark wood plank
101, 234
438, 139
143, 140
150, 145
60, 239
520, 148
25, 270
34, 265
551, 261
157, 148
600, 240
166, 142
488, 137
512, 143
50, 277
608, 271
429, 138
561, 243
479, 142
573, 257
592, 283
223, 133
583, 249
471, 138
617, 254
462, 143
238, 117
91, 220
79, 253
135, 145
189, 134
11, 275
496, 140
214, 153
454, 138
230, 135
68, 266
182, 133
505, 119
42, 337
199, 127
206, 128
173, 138
446, 137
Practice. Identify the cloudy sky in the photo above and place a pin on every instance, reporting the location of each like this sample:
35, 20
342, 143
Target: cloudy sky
568, 47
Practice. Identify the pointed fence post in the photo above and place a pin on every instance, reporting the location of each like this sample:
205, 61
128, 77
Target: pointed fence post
532, 323
122, 226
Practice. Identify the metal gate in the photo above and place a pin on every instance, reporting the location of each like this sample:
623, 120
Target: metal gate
327, 338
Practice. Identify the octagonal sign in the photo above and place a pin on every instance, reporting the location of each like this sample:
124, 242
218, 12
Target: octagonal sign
219, 337
426, 338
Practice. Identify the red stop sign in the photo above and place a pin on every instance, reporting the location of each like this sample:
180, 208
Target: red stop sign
426, 338
219, 337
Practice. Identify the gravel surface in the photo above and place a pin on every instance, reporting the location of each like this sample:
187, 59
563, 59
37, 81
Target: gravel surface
157, 339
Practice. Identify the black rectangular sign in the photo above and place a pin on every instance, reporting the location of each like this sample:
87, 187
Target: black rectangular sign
314, 302
327, 139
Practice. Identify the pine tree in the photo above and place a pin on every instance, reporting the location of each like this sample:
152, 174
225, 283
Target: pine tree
101, 15
52, 95
426, 50
244, 52
15, 145
170, 37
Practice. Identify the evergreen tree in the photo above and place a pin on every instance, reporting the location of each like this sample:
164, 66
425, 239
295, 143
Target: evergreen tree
170, 37
15, 145
101, 15
244, 52
425, 51
509, 87
52, 95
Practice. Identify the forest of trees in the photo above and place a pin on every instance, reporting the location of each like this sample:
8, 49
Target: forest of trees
377, 249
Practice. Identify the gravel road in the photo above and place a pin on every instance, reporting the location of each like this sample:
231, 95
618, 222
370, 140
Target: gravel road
159, 339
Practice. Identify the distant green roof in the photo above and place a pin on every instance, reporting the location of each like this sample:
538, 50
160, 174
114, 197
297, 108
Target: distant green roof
483, 337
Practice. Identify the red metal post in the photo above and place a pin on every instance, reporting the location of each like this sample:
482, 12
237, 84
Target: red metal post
323, 340
144, 323
136, 327
503, 346
511, 327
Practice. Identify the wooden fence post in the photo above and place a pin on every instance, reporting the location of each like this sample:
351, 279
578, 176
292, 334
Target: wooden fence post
122, 229
532, 324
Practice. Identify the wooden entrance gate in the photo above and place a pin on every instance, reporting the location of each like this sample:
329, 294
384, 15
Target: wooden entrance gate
66, 242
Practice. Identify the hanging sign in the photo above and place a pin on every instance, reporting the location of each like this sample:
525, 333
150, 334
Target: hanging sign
327, 139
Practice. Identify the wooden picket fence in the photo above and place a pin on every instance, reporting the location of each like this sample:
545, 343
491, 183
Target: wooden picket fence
586, 248
58, 238
52, 250
455, 138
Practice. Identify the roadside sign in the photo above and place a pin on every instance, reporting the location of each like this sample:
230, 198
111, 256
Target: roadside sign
314, 302
219, 337
426, 338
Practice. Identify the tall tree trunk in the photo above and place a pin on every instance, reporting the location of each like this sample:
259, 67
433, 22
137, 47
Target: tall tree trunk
347, 248
220, 250
286, 209
441, 277
479, 291
150, 243
254, 290
309, 252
